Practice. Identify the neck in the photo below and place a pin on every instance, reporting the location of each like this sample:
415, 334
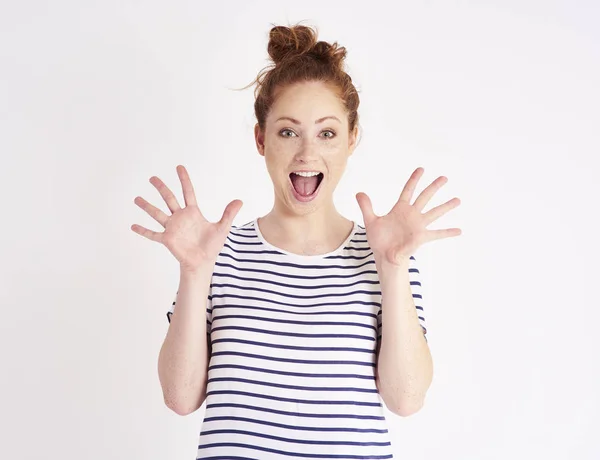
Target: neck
319, 231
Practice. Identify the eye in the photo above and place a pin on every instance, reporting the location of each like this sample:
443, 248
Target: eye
332, 133
286, 130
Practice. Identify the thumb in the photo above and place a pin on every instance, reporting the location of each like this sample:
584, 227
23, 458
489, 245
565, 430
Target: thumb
364, 202
230, 212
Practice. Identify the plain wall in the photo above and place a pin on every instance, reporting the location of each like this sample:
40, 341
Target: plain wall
501, 97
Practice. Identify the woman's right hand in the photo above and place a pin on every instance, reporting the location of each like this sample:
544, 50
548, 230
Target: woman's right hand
188, 235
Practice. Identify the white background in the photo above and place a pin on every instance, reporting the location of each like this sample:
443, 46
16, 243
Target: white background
501, 97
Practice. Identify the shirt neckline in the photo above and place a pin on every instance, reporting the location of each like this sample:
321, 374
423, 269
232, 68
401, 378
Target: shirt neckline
305, 257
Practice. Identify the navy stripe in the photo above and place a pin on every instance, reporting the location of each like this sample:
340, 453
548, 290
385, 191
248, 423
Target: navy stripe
228, 457
299, 266
278, 310
296, 427
353, 248
287, 321
246, 243
292, 454
295, 374
277, 283
350, 257
289, 275
295, 413
294, 400
262, 251
297, 441
290, 387
294, 347
292, 334
287, 360
263, 299
292, 296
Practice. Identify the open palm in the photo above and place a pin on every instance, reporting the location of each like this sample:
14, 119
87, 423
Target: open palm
397, 235
191, 238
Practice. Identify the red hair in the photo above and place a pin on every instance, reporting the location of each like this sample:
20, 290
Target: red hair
297, 56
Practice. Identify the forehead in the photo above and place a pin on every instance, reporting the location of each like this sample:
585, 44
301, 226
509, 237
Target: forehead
307, 99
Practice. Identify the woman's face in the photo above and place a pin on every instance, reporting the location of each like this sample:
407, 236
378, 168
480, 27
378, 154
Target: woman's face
306, 131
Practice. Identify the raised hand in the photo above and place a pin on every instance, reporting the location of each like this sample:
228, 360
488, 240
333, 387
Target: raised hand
188, 235
397, 235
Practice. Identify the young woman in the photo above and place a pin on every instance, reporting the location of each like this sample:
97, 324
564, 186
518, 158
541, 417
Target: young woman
311, 319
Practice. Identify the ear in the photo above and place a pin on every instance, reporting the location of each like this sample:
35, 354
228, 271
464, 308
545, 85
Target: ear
352, 139
259, 138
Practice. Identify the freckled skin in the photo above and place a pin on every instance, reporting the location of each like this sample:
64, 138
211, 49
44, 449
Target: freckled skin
323, 147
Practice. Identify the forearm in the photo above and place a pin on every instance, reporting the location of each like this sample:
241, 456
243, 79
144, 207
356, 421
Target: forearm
404, 366
183, 358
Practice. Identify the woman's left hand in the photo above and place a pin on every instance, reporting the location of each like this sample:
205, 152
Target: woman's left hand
397, 235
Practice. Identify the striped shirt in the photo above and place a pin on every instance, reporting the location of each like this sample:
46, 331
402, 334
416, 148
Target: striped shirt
294, 337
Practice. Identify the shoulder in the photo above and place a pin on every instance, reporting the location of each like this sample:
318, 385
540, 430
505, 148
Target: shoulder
239, 239
243, 227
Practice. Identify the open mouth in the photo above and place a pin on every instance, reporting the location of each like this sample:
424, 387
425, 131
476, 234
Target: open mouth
306, 186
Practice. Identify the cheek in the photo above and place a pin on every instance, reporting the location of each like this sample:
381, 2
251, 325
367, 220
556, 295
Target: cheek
276, 163
336, 148
336, 152
284, 146
337, 161
280, 150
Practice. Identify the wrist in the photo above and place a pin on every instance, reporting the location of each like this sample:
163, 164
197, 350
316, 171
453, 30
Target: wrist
400, 264
389, 272
197, 272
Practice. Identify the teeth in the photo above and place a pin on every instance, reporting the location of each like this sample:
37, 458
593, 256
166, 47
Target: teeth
307, 174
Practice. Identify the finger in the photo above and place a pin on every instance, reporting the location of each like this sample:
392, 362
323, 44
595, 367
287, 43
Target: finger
154, 236
411, 184
444, 233
439, 211
366, 207
189, 197
154, 212
230, 212
166, 193
426, 194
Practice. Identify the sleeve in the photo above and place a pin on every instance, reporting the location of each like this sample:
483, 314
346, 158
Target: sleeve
416, 288
209, 310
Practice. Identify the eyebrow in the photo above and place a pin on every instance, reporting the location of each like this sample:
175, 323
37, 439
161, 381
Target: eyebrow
320, 120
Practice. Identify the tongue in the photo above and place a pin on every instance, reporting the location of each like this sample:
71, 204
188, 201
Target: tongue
305, 186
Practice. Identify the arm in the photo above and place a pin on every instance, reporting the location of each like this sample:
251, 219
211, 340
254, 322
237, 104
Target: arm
185, 353
404, 363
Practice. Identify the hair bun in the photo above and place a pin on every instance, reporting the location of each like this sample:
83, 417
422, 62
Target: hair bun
289, 42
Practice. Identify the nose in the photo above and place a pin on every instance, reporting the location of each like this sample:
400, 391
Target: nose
307, 153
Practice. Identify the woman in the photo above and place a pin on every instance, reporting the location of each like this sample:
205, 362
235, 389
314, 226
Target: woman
310, 317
